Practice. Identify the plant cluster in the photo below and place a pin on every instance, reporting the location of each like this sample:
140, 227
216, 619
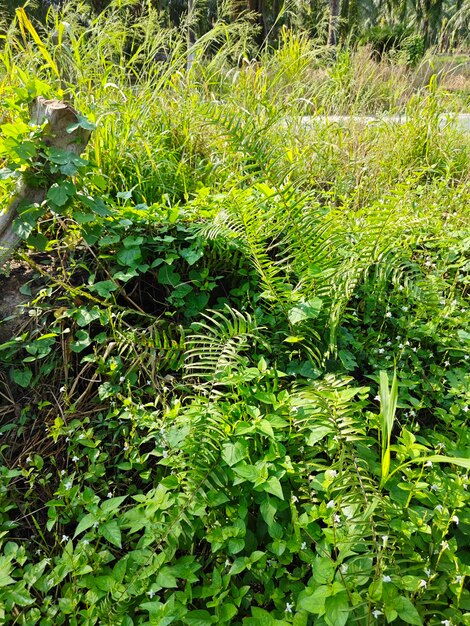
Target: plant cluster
239, 386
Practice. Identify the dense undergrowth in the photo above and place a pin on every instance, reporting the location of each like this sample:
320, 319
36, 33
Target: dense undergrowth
238, 392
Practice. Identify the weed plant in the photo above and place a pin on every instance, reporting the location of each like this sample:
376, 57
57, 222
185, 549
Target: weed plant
238, 392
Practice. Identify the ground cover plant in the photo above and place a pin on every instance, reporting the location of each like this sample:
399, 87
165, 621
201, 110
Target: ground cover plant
237, 388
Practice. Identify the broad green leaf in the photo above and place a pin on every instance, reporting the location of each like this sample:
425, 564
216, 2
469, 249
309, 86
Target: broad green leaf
314, 603
306, 310
109, 506
199, 618
59, 193
406, 611
103, 288
323, 570
111, 532
317, 433
82, 341
232, 453
273, 486
86, 522
166, 579
22, 377
337, 609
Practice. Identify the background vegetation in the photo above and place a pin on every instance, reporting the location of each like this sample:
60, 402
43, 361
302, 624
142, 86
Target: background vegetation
237, 389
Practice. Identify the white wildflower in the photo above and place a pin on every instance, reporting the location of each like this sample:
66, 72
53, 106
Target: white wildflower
428, 464
458, 579
75, 459
85, 542
28, 459
336, 518
381, 350
455, 519
444, 545
295, 499
465, 409
434, 487
376, 613
377, 398
427, 571
151, 593
386, 579
289, 607
384, 540
68, 485
65, 538
446, 622
331, 504
122, 379
304, 545
109, 494
388, 314
422, 584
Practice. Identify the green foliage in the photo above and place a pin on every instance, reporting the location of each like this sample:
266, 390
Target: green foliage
238, 393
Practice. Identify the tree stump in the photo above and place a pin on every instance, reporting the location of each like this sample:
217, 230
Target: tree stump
59, 116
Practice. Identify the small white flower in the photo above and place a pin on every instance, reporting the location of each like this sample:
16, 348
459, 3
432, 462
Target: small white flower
444, 545
331, 504
376, 613
151, 593
85, 542
28, 459
465, 409
95, 525
64, 538
68, 485
122, 379
227, 563
62, 389
377, 398
405, 308
434, 487
295, 499
427, 571
401, 346
332, 473
439, 508
458, 579
381, 351
398, 337
428, 464
446, 622
62, 472
67, 439
384, 540
304, 545
386, 579
344, 568
81, 436
412, 413
109, 494
422, 584
446, 363
455, 519
336, 518
165, 454
75, 459
289, 607
388, 314
126, 446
